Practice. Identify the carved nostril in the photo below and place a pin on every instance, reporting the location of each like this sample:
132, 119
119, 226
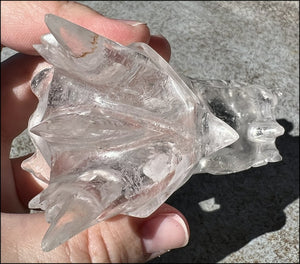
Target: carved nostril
266, 131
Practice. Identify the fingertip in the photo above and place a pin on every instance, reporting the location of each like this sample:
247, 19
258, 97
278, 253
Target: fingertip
123, 31
164, 230
161, 45
24, 23
118, 30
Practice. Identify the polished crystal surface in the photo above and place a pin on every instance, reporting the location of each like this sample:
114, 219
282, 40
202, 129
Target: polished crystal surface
249, 110
117, 131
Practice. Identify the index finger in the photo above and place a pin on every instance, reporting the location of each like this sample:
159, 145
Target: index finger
22, 23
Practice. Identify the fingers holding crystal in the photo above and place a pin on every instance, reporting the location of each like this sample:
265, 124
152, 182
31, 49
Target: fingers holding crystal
120, 239
28, 31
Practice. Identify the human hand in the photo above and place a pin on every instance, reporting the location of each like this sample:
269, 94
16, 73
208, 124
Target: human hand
120, 239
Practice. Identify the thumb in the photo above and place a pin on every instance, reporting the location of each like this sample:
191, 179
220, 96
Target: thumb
22, 23
120, 239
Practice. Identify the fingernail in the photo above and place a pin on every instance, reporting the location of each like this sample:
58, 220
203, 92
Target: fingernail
163, 233
133, 23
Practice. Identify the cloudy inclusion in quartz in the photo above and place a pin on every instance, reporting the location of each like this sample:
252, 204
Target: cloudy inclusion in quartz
117, 131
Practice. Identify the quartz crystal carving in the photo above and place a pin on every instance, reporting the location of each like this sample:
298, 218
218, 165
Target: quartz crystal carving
117, 131
249, 110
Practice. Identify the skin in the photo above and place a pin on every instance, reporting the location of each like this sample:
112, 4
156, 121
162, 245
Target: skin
120, 239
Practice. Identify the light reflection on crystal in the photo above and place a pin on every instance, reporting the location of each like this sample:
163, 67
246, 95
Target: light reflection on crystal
117, 131
249, 110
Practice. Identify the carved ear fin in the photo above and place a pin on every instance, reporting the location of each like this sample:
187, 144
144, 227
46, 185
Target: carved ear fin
222, 135
74, 38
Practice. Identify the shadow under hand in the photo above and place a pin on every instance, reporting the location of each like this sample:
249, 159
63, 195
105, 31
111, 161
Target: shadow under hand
252, 204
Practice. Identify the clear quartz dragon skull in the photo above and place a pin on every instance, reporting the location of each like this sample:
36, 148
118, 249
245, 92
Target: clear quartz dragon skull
117, 131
